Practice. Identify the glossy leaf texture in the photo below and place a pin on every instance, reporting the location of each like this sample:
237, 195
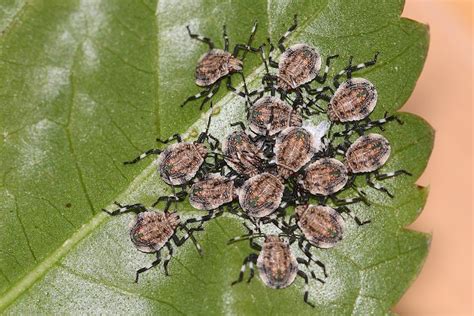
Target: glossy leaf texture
87, 85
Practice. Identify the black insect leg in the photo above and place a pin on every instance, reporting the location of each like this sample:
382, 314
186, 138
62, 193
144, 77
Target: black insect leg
196, 244
264, 58
360, 192
362, 65
341, 73
254, 245
350, 69
307, 263
319, 92
244, 237
347, 201
245, 48
198, 95
268, 86
322, 79
250, 260
151, 266
176, 137
271, 62
189, 235
360, 129
240, 124
311, 106
383, 176
251, 37
135, 208
379, 123
279, 222
235, 211
344, 209
267, 79
244, 95
307, 252
201, 219
219, 163
342, 148
291, 219
210, 94
203, 39
147, 153
377, 186
216, 143
177, 197
306, 289
204, 135
168, 257
287, 34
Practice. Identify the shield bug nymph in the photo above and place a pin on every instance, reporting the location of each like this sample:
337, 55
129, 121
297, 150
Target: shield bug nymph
270, 115
276, 264
295, 146
299, 65
180, 162
242, 155
217, 64
353, 100
324, 178
322, 225
212, 192
152, 230
261, 195
367, 155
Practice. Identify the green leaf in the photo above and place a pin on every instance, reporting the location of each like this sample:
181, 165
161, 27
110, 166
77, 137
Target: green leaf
89, 84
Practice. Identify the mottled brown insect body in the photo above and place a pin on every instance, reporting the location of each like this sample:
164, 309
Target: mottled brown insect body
294, 148
214, 65
277, 266
261, 195
368, 153
212, 192
354, 100
322, 225
241, 154
151, 230
180, 162
325, 176
271, 115
298, 65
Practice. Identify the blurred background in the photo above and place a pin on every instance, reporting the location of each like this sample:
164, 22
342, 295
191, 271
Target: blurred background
443, 96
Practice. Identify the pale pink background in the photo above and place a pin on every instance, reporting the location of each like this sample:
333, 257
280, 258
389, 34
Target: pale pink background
443, 96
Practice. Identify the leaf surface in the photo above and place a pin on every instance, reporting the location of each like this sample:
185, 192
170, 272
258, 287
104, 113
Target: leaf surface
87, 85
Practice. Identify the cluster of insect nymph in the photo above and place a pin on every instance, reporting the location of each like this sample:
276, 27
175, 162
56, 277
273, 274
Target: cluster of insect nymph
276, 162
